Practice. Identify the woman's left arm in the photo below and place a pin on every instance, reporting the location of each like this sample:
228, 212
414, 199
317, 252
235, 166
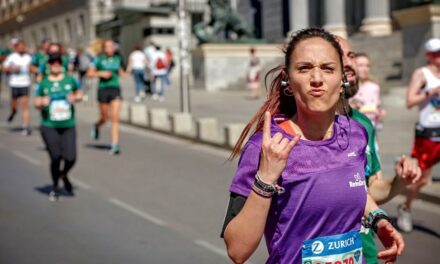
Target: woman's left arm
391, 239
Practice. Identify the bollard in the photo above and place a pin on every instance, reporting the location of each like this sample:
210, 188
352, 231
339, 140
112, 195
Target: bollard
208, 131
138, 115
159, 119
182, 124
232, 133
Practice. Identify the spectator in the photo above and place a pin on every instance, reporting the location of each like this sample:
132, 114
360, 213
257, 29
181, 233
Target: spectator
137, 63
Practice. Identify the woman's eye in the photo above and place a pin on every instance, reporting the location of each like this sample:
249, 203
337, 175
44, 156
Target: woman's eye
303, 69
328, 69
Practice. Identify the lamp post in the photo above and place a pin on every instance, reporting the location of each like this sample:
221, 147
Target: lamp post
184, 63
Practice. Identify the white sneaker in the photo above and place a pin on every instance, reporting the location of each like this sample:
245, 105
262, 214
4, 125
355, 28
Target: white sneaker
404, 219
137, 99
142, 95
154, 97
26, 131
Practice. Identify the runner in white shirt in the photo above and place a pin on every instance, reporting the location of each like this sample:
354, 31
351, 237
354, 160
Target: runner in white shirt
17, 66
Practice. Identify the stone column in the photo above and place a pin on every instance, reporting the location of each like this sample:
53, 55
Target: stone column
377, 20
298, 14
418, 24
335, 17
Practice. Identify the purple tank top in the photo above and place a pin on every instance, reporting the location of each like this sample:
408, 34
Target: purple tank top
325, 188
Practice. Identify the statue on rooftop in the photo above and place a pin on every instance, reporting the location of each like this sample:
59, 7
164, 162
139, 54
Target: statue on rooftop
223, 19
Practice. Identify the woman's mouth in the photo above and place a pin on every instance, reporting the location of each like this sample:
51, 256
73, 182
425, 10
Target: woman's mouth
317, 92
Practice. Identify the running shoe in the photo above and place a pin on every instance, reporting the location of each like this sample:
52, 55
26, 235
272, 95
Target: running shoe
404, 219
11, 116
26, 131
67, 185
54, 195
115, 149
94, 134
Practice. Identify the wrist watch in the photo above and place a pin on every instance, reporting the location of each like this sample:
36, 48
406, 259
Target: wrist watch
374, 217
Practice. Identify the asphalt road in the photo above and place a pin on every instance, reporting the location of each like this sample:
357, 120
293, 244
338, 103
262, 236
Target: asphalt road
161, 201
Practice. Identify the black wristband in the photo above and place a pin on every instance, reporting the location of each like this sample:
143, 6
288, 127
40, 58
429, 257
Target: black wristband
376, 220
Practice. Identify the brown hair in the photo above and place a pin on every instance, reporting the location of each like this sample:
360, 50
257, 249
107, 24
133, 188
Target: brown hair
278, 102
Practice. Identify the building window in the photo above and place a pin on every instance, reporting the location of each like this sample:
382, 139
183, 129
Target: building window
56, 32
44, 33
34, 39
158, 31
82, 25
68, 35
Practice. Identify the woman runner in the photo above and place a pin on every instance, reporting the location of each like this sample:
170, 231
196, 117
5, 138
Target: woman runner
108, 67
308, 195
56, 95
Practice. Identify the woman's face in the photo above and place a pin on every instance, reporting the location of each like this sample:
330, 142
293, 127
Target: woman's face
54, 49
55, 68
109, 48
315, 76
363, 67
434, 58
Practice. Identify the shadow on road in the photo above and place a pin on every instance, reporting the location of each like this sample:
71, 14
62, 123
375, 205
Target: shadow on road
426, 230
98, 146
45, 190
19, 129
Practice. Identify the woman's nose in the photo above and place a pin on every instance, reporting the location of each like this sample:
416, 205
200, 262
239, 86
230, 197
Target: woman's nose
316, 78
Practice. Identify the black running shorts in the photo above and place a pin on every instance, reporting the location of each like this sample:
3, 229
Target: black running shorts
108, 94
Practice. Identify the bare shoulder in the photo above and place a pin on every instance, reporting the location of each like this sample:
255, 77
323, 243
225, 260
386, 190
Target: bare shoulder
418, 74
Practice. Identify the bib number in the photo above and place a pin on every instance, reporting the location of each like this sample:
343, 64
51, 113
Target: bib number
60, 110
338, 249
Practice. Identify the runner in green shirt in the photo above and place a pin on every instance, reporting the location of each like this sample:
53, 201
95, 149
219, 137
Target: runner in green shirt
108, 67
40, 57
56, 95
382, 190
42, 60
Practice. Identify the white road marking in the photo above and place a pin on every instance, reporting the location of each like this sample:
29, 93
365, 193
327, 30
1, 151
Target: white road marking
137, 212
211, 247
80, 184
26, 157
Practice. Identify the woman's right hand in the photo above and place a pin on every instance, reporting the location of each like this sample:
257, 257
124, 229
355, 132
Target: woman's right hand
105, 74
274, 153
45, 100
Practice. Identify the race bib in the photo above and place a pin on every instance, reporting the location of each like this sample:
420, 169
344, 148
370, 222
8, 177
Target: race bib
338, 249
434, 117
60, 110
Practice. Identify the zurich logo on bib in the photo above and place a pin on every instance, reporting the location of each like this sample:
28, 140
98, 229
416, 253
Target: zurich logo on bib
338, 249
